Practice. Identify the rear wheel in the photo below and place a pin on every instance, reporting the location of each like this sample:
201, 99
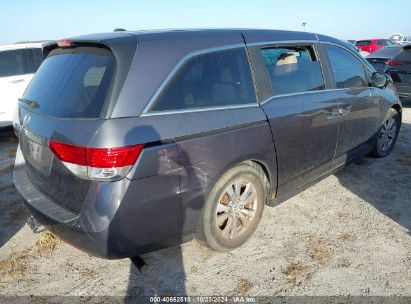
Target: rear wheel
234, 207
387, 135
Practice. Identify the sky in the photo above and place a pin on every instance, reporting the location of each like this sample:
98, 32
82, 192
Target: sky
22, 20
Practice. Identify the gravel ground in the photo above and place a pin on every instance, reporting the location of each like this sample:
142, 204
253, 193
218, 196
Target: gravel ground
347, 235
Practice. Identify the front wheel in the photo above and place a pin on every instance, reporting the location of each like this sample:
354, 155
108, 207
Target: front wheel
387, 135
234, 207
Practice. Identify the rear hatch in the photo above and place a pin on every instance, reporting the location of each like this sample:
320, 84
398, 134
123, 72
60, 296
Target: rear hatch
380, 59
400, 71
379, 64
364, 45
65, 104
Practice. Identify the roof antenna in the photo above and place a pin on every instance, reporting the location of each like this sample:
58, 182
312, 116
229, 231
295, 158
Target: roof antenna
118, 29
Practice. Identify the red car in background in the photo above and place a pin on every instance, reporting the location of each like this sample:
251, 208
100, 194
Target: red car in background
371, 45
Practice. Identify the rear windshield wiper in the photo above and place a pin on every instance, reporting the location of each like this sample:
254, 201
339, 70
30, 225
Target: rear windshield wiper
31, 103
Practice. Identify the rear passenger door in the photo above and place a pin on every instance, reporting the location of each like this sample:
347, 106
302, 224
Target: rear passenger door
209, 108
303, 115
358, 113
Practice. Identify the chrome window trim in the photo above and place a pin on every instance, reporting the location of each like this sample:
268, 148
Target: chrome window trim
282, 42
177, 67
277, 43
298, 93
193, 110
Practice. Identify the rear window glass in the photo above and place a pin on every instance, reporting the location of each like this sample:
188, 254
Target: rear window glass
73, 83
293, 69
13, 63
210, 80
387, 52
363, 43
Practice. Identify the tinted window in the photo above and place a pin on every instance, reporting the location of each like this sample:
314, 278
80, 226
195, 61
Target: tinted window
210, 80
73, 83
363, 43
347, 69
387, 52
293, 69
381, 42
35, 59
13, 63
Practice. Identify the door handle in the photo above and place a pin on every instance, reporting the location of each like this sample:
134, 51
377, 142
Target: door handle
16, 81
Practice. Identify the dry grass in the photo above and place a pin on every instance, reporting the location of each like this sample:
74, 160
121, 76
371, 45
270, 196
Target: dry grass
243, 286
47, 243
17, 264
349, 238
318, 250
194, 269
342, 215
310, 216
296, 273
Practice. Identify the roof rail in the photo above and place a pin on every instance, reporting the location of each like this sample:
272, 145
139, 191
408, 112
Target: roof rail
35, 41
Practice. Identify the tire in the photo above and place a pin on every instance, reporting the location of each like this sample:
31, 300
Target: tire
387, 134
226, 223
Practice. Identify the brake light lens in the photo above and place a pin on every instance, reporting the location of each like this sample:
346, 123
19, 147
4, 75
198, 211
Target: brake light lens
394, 63
64, 43
97, 163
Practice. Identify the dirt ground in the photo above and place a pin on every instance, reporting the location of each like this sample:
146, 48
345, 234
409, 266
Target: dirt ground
347, 235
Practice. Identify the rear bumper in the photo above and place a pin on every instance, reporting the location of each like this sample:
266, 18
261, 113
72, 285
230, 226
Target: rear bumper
118, 220
57, 219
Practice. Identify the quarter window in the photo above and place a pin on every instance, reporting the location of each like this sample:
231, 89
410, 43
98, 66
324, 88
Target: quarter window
348, 71
293, 69
214, 79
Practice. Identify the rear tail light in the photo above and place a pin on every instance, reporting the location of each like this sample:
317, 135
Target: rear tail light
107, 164
64, 43
394, 63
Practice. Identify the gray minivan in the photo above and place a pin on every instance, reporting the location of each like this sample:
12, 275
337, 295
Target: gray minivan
135, 141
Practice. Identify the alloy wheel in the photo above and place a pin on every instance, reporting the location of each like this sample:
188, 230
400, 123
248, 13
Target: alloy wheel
387, 134
236, 209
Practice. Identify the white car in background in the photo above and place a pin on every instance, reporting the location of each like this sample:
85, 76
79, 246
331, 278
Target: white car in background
18, 63
399, 38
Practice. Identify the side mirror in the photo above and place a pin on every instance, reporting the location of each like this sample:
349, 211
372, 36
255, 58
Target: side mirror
379, 80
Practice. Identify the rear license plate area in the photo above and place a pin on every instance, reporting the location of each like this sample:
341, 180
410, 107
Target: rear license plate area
36, 151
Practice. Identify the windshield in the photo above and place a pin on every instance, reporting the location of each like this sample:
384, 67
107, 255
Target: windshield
73, 83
